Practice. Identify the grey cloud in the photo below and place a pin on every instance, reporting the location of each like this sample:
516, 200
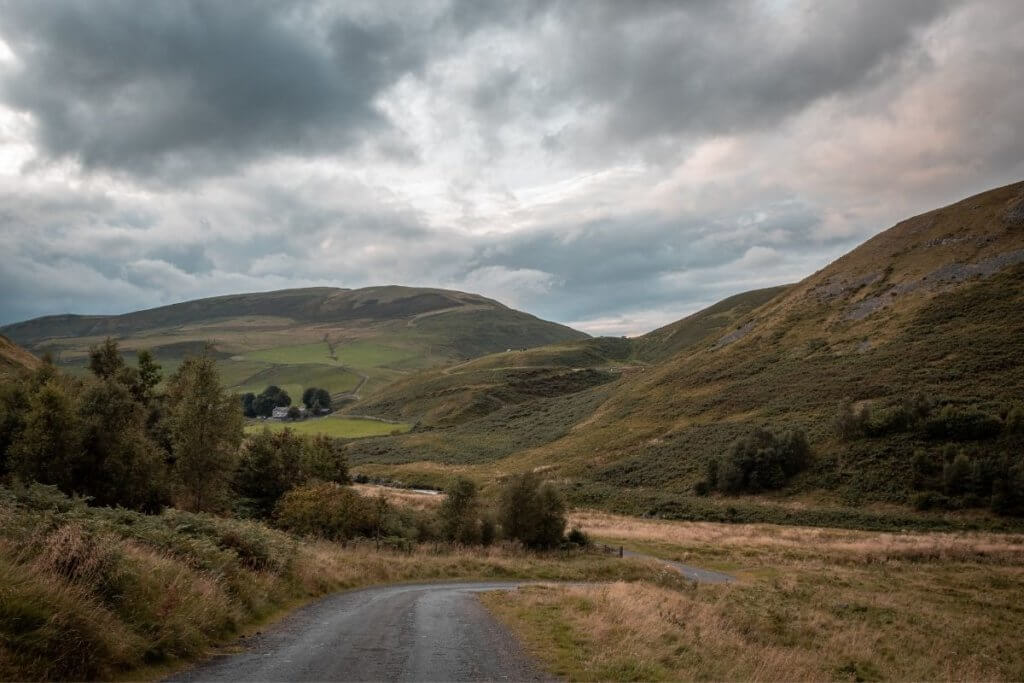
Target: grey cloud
644, 71
195, 87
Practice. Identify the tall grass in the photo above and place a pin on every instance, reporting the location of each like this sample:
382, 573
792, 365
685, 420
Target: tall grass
89, 593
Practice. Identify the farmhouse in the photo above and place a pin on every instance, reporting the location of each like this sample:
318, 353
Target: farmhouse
281, 412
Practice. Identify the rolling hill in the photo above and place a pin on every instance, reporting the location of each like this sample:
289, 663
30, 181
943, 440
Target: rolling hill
340, 339
931, 310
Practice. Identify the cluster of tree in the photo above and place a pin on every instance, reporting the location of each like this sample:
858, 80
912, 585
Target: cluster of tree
263, 403
956, 478
758, 462
919, 414
116, 439
316, 400
273, 463
527, 510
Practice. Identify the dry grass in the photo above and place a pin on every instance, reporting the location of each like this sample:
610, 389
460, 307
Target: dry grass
731, 545
89, 593
402, 497
811, 604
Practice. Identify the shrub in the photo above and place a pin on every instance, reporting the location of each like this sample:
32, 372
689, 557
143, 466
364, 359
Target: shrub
532, 512
760, 461
460, 513
270, 465
326, 510
1015, 420
577, 536
324, 459
962, 424
956, 475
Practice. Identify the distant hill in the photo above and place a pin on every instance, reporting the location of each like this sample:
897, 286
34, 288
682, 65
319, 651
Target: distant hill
342, 339
932, 307
14, 359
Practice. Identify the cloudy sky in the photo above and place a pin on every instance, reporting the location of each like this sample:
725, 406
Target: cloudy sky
610, 165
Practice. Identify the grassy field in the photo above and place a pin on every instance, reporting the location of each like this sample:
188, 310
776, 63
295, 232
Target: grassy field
295, 378
97, 593
331, 425
810, 604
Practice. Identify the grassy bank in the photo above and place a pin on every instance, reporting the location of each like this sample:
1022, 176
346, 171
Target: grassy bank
94, 592
810, 604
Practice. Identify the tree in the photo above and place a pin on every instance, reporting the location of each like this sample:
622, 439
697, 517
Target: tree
762, 460
460, 513
205, 425
316, 400
105, 360
323, 400
324, 460
248, 408
309, 397
532, 512
270, 465
148, 377
120, 465
268, 399
48, 447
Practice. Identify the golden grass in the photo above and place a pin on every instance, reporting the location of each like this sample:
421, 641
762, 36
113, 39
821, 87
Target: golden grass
97, 593
810, 604
402, 497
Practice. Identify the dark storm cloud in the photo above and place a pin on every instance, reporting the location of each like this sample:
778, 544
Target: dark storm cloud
583, 159
188, 87
705, 68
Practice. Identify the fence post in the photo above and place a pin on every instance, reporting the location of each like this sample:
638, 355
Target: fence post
620, 551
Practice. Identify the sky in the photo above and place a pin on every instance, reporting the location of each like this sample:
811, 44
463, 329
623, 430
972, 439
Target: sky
609, 165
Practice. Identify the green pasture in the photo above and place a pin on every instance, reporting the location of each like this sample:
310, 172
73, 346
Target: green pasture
296, 378
358, 354
340, 427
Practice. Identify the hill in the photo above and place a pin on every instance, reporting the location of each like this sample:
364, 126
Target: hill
341, 339
927, 316
13, 358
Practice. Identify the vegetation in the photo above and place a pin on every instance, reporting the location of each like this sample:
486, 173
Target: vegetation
809, 604
532, 511
95, 592
334, 426
759, 462
316, 400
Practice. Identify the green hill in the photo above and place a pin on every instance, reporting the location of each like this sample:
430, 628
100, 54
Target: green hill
922, 325
340, 339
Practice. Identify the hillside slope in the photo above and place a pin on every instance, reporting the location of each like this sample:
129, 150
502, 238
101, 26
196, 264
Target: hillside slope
933, 307
339, 339
14, 359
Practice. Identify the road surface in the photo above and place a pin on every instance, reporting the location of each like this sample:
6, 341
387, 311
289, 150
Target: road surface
424, 632
429, 632
692, 573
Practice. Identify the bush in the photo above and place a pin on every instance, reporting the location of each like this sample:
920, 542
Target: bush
578, 537
270, 465
532, 512
324, 459
326, 510
760, 461
460, 513
963, 424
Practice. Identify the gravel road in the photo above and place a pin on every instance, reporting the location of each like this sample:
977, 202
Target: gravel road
692, 573
428, 632
424, 632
